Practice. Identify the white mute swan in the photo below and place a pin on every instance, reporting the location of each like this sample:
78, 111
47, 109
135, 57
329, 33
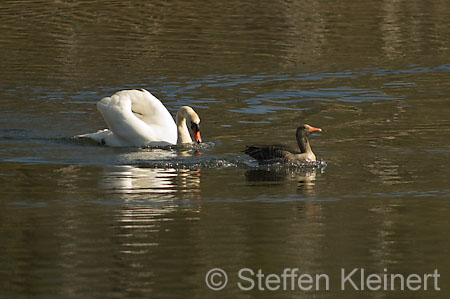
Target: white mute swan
137, 118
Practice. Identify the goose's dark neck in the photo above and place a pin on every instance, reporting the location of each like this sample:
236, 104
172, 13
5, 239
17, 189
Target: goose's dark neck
303, 143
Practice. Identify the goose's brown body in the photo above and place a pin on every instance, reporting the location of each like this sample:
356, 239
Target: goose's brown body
270, 153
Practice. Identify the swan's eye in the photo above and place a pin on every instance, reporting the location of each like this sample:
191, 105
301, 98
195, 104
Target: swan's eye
194, 127
196, 132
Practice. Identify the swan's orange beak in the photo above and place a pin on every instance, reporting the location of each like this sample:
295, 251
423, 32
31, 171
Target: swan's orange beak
312, 129
197, 137
196, 132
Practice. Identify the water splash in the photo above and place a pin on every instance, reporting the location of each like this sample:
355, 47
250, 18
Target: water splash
192, 164
300, 166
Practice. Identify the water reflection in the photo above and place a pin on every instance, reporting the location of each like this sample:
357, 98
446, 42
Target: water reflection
386, 171
305, 179
131, 183
148, 199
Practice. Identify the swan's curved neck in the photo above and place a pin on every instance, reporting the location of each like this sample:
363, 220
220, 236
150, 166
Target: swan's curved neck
182, 130
303, 143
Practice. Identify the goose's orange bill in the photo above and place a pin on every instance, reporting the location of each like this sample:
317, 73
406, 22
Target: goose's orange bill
312, 130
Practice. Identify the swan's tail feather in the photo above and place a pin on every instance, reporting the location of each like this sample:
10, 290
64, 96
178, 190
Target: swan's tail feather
100, 136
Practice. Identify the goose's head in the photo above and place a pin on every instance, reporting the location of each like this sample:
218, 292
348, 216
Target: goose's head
186, 116
307, 129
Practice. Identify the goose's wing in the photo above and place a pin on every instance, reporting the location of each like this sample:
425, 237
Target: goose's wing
138, 118
269, 152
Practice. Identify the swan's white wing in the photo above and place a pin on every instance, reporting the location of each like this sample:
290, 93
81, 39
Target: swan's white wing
138, 118
148, 108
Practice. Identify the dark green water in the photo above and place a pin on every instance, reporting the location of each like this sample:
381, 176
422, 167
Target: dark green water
82, 220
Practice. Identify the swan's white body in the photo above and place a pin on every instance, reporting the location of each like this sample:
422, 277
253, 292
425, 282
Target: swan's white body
137, 118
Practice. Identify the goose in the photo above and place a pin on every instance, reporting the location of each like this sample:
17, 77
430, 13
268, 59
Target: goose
137, 118
265, 154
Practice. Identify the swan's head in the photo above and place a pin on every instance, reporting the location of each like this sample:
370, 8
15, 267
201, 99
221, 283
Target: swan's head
195, 128
190, 117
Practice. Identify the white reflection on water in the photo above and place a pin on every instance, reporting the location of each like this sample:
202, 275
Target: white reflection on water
151, 197
152, 183
131, 183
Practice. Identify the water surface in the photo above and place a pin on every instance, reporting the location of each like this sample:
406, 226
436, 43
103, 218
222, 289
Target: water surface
84, 220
